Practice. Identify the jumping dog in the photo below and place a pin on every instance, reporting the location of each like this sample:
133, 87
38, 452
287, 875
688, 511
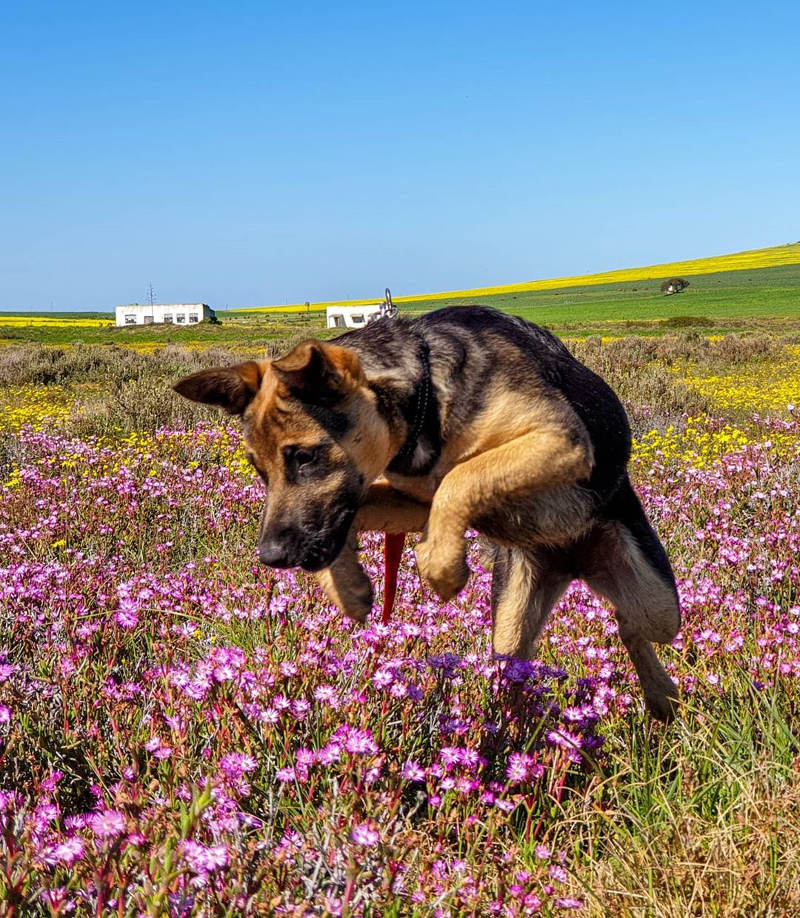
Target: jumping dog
464, 418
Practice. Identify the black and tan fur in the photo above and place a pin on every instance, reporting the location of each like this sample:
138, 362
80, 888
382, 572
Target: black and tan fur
463, 418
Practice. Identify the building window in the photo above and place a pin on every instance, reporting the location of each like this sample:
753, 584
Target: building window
180, 318
357, 318
168, 318
193, 317
130, 320
148, 320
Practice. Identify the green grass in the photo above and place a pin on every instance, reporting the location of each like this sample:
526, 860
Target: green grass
728, 301
252, 333
88, 314
725, 298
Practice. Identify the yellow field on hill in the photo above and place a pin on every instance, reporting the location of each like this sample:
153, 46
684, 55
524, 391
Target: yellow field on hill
51, 321
739, 261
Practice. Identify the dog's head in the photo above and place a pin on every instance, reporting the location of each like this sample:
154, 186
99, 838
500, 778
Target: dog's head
314, 434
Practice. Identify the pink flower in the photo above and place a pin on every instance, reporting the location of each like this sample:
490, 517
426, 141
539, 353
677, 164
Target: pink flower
365, 835
49, 783
450, 756
203, 858
107, 823
235, 764
127, 617
330, 753
413, 771
224, 673
305, 757
383, 678
300, 709
326, 694
360, 742
518, 767
66, 853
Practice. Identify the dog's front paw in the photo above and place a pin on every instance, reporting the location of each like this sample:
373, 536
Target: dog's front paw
346, 584
443, 565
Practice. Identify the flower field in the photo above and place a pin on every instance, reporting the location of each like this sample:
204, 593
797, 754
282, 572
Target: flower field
52, 320
746, 387
184, 732
739, 261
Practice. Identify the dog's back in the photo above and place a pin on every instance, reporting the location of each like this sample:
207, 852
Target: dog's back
488, 363
526, 358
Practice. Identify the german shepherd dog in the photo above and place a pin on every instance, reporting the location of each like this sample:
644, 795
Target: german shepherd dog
463, 418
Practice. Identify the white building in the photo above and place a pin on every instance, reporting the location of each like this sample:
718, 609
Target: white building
164, 314
357, 316
351, 316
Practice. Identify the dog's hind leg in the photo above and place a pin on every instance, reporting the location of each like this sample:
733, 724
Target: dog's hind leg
623, 561
526, 584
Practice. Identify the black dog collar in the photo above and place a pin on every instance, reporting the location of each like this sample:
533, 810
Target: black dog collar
420, 412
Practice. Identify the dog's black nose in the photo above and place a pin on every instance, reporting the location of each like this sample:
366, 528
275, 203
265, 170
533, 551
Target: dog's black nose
273, 554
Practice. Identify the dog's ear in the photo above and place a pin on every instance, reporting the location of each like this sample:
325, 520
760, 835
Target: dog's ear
231, 388
317, 372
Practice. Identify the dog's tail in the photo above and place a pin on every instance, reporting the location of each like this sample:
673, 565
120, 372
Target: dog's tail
626, 508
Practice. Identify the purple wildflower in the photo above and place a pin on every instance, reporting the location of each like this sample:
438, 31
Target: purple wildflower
236, 764
203, 858
365, 835
107, 823
413, 771
66, 853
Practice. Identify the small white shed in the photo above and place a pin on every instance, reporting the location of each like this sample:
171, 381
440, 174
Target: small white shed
358, 316
352, 316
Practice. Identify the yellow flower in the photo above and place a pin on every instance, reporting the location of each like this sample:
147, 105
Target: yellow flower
756, 387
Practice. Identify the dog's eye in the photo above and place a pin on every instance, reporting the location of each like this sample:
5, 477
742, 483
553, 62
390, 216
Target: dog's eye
301, 462
304, 463
305, 457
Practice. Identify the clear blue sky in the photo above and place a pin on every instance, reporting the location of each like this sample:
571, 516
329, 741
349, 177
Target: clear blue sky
255, 153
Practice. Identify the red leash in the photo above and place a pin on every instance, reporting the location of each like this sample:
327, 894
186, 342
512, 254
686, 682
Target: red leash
392, 552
